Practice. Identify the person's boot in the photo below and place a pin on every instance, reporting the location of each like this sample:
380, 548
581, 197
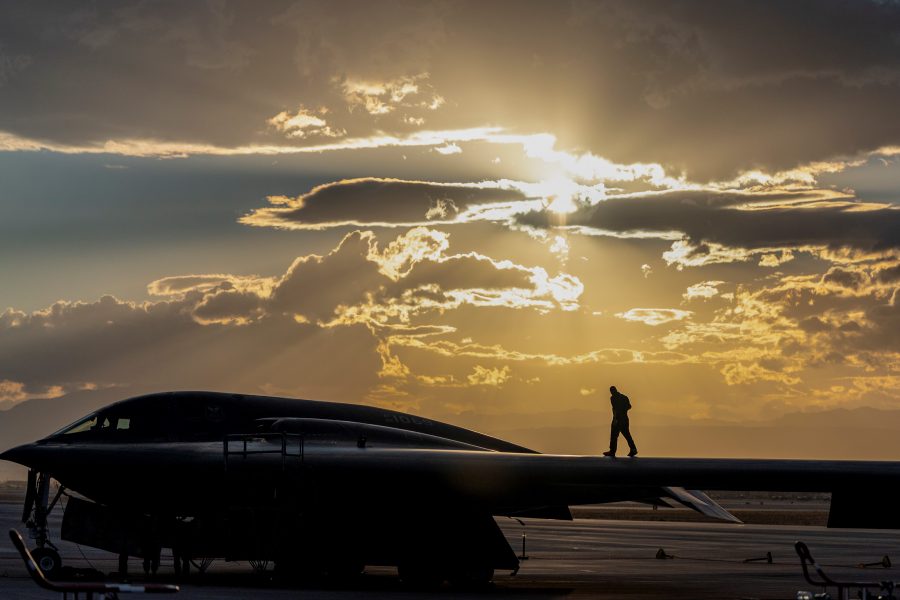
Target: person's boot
610, 453
633, 452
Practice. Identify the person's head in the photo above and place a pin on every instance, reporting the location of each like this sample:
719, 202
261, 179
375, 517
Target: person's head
612, 389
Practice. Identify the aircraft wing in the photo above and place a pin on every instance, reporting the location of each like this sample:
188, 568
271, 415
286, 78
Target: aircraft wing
513, 482
503, 483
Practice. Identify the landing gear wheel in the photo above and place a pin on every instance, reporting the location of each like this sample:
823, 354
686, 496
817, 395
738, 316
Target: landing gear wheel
470, 576
48, 560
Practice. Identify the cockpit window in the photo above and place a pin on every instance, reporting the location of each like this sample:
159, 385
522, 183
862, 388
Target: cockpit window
111, 422
85, 424
98, 422
119, 424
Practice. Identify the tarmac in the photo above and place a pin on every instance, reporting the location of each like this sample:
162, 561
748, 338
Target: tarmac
592, 558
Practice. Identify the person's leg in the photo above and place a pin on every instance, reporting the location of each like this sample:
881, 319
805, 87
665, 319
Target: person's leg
613, 435
626, 432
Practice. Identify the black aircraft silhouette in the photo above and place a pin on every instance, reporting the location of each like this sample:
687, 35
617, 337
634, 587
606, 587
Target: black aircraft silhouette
329, 488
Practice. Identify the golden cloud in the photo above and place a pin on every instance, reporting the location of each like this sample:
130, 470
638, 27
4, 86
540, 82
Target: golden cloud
654, 316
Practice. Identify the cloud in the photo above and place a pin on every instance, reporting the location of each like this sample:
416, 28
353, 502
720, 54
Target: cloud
487, 376
362, 282
888, 274
373, 201
449, 149
16, 392
797, 331
736, 226
679, 85
237, 331
416, 278
471, 349
408, 94
11, 391
414, 321
754, 221
343, 276
229, 307
774, 260
703, 290
166, 345
654, 316
742, 373
685, 254
178, 285
304, 124
153, 147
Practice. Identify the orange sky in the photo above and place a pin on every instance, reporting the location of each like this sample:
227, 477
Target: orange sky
475, 212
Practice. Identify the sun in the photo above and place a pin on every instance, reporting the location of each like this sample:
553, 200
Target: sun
562, 204
561, 195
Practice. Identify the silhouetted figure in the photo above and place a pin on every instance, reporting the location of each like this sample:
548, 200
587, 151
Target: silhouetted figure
181, 551
620, 407
151, 548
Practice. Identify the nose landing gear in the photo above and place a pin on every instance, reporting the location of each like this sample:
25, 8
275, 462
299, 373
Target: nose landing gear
48, 560
34, 514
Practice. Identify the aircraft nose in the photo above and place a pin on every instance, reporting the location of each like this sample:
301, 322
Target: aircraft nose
25, 454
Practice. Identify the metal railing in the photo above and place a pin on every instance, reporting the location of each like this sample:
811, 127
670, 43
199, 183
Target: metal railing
246, 446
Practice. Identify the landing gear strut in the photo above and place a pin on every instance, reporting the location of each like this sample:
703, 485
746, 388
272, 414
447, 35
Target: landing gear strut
36, 510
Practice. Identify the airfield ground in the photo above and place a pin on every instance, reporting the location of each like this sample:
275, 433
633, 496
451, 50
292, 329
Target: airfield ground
595, 557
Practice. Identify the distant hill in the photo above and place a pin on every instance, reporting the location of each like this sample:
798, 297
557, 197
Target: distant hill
865, 417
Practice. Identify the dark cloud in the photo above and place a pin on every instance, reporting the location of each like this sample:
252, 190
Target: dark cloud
814, 325
229, 306
162, 345
464, 272
849, 319
884, 333
744, 221
315, 285
414, 270
230, 332
132, 70
712, 89
889, 275
844, 278
372, 200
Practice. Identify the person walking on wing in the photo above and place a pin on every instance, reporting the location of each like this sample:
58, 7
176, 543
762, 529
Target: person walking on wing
620, 407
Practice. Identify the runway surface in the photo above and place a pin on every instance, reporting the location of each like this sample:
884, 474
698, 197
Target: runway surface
583, 558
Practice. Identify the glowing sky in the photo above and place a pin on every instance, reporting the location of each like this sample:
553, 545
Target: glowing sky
461, 209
